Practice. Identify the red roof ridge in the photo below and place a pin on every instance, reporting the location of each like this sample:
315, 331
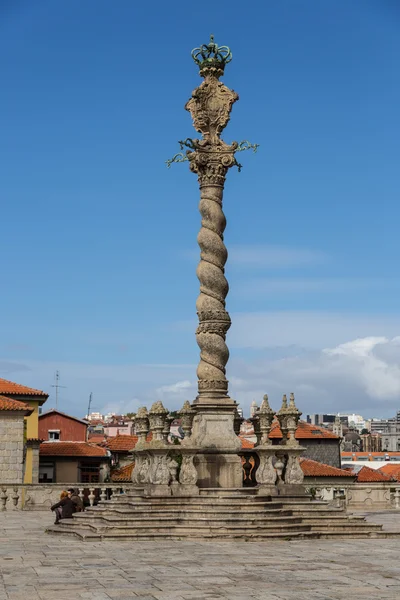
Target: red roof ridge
10, 388
368, 475
71, 449
313, 468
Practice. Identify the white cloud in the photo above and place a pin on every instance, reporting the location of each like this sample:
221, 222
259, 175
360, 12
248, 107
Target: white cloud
308, 285
306, 328
175, 388
273, 257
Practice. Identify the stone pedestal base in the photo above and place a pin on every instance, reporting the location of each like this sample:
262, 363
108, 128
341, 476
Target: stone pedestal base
179, 489
219, 470
157, 490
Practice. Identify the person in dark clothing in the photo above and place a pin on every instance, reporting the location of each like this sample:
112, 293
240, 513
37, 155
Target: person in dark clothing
67, 509
76, 500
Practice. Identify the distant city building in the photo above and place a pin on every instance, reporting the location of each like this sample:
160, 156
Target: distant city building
320, 419
354, 421
94, 416
389, 429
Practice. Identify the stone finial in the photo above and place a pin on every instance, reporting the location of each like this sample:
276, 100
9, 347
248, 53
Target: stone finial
187, 414
281, 415
265, 416
157, 418
142, 423
292, 419
237, 422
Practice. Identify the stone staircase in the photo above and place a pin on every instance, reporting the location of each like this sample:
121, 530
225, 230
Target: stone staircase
215, 514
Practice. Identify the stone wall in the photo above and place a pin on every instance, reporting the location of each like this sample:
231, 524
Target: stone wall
11, 447
325, 451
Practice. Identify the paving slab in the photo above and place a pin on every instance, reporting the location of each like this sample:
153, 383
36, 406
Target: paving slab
36, 566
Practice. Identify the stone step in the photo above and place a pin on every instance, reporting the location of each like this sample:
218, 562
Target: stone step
96, 537
173, 503
189, 528
156, 522
188, 514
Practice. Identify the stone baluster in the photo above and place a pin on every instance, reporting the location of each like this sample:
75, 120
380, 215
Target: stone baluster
81, 493
91, 496
15, 497
103, 494
397, 498
3, 499
142, 424
187, 414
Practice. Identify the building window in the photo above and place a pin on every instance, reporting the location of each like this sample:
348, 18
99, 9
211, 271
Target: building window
46, 473
90, 474
54, 435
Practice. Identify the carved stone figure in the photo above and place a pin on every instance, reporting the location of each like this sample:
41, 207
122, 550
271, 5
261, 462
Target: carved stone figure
188, 473
173, 470
294, 473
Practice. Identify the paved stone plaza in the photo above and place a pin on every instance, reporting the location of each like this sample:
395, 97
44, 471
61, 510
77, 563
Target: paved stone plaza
34, 566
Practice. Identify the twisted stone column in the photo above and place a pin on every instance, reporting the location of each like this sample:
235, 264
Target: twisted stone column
210, 158
217, 462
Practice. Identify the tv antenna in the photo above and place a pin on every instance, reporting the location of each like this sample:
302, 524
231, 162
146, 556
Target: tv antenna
90, 402
57, 386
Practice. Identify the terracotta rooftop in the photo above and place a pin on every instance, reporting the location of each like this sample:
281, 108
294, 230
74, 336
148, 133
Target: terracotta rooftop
10, 404
304, 431
123, 474
71, 449
9, 388
246, 443
391, 470
96, 438
367, 475
312, 468
124, 443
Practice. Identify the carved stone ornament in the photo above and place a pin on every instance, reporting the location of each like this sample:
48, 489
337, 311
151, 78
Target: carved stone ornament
282, 418
159, 473
294, 473
188, 473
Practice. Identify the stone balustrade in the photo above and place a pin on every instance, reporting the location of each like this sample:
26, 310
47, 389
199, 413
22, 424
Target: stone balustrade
43, 496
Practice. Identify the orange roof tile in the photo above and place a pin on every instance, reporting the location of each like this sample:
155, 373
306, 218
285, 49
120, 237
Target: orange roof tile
9, 388
124, 443
124, 474
367, 475
391, 470
10, 404
95, 438
304, 431
246, 443
312, 468
71, 449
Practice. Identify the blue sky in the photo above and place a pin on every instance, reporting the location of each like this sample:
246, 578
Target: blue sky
98, 242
